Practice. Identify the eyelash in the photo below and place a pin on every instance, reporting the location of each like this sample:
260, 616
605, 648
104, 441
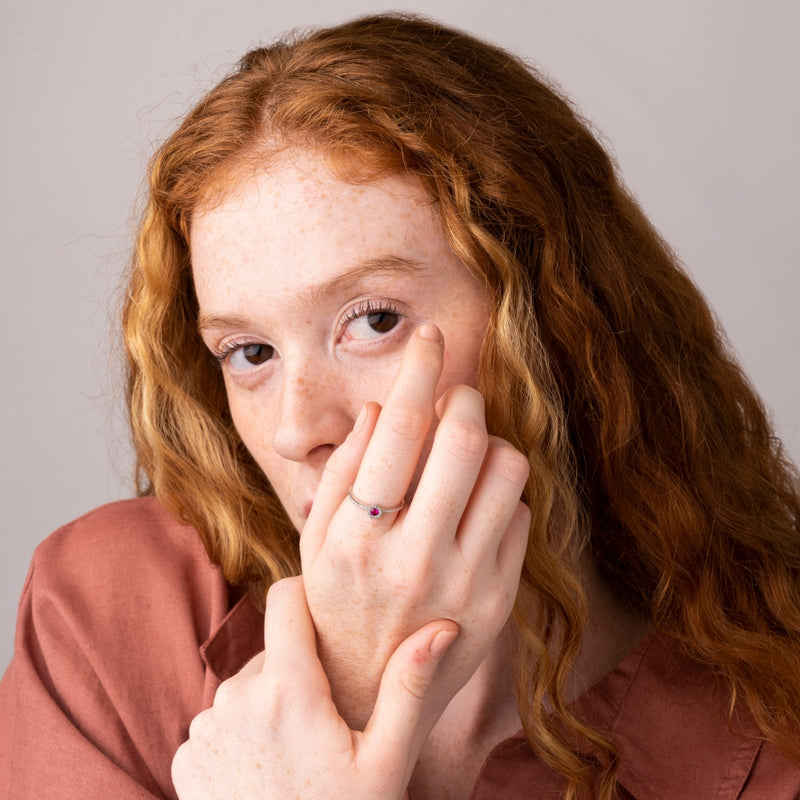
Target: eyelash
224, 351
363, 309
368, 307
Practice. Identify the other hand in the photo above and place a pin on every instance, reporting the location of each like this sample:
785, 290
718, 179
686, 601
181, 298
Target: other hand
274, 732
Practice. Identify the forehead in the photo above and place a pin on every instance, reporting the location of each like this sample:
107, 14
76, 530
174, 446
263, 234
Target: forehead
297, 221
307, 179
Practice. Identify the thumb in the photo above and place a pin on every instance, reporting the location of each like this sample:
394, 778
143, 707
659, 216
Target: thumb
394, 726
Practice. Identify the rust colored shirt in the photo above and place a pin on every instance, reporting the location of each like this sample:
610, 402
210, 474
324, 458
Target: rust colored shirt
126, 629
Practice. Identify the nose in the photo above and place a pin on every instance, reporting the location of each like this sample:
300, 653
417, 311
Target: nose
313, 416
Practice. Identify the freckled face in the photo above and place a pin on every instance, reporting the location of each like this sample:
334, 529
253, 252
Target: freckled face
309, 288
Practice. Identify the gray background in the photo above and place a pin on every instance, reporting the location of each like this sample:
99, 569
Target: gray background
698, 99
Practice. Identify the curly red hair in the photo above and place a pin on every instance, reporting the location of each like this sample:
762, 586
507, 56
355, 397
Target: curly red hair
602, 360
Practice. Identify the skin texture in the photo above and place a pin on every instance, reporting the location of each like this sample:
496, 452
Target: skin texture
273, 730
285, 260
319, 297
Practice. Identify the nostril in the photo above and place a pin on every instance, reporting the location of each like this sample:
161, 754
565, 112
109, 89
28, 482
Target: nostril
322, 451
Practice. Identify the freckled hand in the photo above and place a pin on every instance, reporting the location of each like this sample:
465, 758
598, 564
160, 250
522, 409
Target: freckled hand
453, 552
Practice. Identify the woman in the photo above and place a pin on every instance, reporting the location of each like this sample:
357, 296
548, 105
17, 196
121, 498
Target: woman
447, 348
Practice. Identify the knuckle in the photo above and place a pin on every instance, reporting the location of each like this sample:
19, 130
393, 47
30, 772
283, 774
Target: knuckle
522, 516
357, 552
181, 765
354, 550
282, 591
464, 439
415, 683
470, 395
225, 696
462, 399
407, 421
499, 606
199, 727
510, 464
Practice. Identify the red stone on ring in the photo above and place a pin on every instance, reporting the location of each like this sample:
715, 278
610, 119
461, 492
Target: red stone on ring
374, 511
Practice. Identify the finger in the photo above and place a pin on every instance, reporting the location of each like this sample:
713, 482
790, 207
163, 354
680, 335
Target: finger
339, 474
494, 503
291, 648
393, 452
398, 723
511, 552
253, 666
455, 461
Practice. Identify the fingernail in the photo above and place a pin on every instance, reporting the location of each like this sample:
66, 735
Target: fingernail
360, 419
441, 642
430, 331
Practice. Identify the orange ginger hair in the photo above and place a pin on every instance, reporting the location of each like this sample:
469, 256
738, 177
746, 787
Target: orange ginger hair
602, 361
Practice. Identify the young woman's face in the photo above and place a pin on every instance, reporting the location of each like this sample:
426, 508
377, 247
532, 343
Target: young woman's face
309, 288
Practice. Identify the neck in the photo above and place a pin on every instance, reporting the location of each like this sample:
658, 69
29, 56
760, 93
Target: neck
486, 707
612, 631
484, 712
480, 716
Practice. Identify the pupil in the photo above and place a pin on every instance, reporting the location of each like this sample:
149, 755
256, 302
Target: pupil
257, 353
382, 321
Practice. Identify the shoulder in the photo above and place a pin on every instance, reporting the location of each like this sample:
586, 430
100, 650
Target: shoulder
108, 653
677, 736
117, 531
135, 545
129, 567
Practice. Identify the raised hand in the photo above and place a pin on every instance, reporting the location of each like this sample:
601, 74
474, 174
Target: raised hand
454, 550
274, 732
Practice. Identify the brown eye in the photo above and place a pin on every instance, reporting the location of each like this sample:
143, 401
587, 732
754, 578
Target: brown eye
370, 320
244, 357
382, 321
256, 354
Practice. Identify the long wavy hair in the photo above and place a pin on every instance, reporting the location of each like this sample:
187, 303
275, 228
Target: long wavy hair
602, 362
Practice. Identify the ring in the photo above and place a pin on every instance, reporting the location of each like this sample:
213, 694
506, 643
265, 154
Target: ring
373, 510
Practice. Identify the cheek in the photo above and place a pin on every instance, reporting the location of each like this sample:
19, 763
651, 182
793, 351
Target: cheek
250, 414
464, 333
461, 363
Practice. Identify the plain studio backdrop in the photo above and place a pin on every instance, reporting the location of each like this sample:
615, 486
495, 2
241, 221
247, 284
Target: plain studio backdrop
697, 99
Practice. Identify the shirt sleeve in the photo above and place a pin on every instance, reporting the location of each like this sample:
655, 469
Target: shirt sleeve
107, 672
61, 734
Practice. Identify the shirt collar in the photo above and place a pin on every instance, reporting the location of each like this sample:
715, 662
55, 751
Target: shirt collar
665, 713
238, 638
669, 718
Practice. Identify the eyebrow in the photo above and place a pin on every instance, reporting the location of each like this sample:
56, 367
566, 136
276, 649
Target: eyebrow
370, 268
389, 265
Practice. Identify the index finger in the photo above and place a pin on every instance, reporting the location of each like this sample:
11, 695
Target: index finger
394, 449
